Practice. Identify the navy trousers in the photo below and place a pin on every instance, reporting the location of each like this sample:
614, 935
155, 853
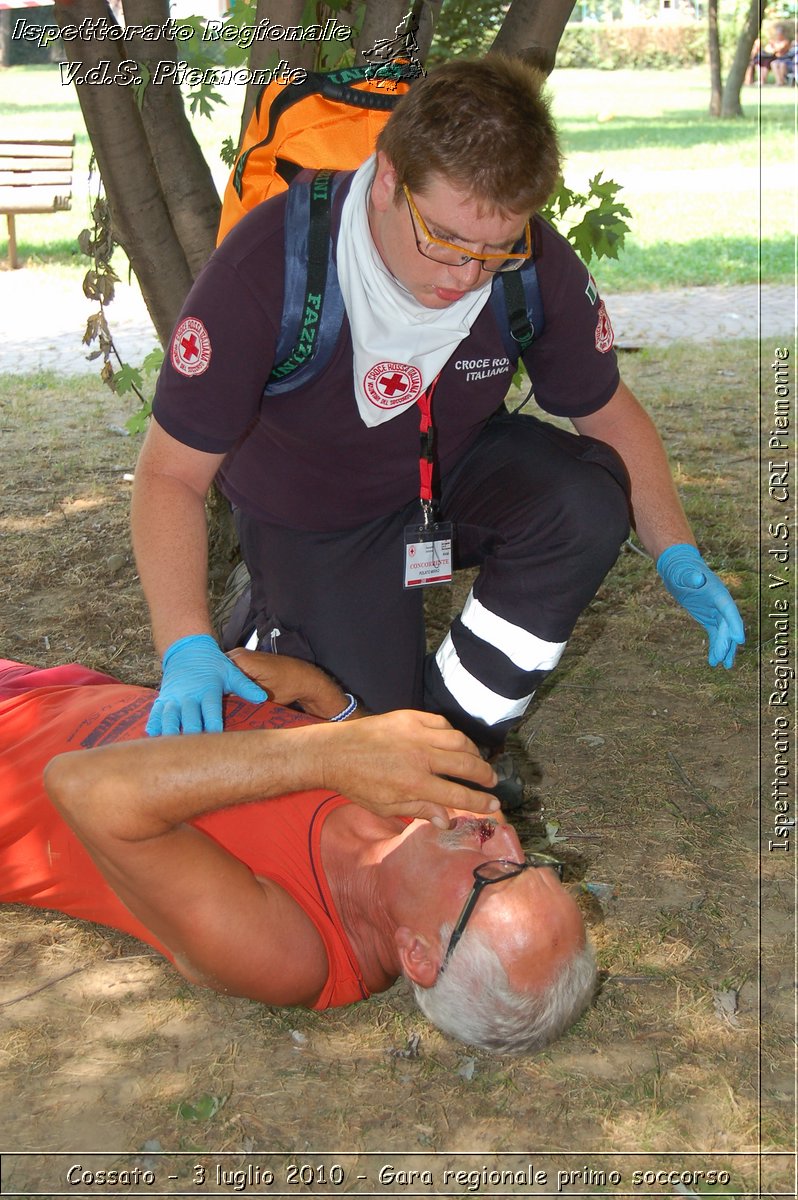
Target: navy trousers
542, 512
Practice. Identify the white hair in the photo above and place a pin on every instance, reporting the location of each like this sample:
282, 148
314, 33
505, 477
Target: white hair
473, 1001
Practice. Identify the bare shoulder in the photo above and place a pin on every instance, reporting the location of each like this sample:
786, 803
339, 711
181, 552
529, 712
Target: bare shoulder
267, 950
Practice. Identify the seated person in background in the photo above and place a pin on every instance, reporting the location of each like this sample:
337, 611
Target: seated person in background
214, 850
778, 55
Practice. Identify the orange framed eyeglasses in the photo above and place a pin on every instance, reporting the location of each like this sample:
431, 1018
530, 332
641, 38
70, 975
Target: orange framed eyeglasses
453, 255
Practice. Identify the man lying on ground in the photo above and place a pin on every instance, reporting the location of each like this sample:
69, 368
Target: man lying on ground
219, 851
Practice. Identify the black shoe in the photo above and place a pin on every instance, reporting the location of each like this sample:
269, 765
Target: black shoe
234, 619
509, 786
509, 789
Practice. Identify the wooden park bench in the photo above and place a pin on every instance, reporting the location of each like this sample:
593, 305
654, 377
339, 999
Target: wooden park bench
35, 177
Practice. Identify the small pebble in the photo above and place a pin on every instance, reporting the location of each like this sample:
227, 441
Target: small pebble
115, 563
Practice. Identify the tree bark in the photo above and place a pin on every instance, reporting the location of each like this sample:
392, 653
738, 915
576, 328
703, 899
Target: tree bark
532, 29
141, 221
266, 53
380, 23
730, 102
185, 177
5, 38
715, 75
428, 21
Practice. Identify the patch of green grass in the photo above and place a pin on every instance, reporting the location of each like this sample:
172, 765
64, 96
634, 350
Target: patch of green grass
701, 262
664, 117
34, 102
701, 212
38, 243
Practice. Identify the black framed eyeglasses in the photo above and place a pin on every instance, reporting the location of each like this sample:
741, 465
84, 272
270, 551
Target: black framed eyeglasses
495, 871
453, 255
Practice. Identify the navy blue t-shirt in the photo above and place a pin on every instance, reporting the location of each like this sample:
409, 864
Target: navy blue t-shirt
305, 460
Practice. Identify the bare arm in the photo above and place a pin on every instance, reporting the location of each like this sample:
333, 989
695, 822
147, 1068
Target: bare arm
225, 928
170, 537
658, 514
292, 681
391, 764
129, 804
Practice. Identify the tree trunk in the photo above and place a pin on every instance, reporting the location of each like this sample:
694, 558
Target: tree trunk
5, 38
265, 53
730, 102
141, 221
715, 76
381, 21
185, 177
532, 29
428, 20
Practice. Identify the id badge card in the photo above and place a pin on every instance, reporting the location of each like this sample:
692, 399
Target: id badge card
428, 554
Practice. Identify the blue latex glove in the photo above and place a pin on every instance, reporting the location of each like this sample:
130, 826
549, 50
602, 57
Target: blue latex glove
698, 589
195, 677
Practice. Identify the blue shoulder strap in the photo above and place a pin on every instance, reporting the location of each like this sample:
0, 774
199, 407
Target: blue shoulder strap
518, 308
313, 307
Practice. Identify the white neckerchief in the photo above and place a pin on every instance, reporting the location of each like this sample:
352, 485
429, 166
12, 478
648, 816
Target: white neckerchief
400, 346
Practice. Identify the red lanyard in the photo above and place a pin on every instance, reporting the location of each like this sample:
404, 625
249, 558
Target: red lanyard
426, 462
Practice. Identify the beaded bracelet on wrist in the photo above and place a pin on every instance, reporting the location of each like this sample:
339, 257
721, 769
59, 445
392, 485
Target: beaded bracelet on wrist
346, 712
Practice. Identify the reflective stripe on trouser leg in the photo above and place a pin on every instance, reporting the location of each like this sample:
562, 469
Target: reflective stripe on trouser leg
483, 646
543, 514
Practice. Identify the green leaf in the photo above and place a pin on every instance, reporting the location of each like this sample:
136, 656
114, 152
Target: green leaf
138, 422
600, 228
205, 99
520, 375
126, 379
604, 188
140, 88
561, 200
228, 152
154, 360
206, 1107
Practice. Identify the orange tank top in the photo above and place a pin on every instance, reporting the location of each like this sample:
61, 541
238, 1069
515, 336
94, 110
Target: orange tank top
42, 863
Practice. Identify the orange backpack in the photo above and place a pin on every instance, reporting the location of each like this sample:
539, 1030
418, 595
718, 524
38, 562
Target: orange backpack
330, 119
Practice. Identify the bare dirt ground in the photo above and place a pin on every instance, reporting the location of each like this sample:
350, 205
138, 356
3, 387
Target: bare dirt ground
641, 770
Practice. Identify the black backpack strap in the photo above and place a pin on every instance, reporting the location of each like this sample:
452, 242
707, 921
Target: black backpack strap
518, 308
313, 307
338, 85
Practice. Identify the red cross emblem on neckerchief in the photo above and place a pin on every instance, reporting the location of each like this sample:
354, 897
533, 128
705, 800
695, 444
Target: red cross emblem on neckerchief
389, 385
392, 384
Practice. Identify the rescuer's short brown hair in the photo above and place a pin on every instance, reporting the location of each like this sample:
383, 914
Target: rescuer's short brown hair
485, 126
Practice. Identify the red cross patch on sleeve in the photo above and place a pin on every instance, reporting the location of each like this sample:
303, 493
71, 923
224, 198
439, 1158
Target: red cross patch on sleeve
604, 334
191, 347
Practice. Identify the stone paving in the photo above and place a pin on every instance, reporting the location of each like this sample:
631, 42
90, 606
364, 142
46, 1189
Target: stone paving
43, 315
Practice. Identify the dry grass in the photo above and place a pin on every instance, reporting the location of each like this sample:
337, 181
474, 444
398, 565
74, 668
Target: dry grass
662, 809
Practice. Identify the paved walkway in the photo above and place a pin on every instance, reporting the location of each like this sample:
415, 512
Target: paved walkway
43, 315
703, 314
